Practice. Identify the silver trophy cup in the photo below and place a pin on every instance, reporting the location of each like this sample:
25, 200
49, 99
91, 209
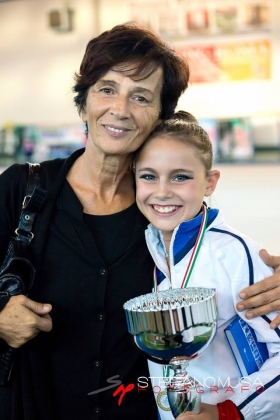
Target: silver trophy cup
173, 327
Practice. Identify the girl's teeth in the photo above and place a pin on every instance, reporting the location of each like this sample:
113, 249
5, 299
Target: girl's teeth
166, 209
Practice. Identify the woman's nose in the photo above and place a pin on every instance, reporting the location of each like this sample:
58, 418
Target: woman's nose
120, 107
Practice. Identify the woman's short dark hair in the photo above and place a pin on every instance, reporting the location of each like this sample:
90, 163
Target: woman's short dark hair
131, 42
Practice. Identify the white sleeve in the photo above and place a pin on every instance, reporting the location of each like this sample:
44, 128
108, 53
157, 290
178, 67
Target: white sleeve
259, 397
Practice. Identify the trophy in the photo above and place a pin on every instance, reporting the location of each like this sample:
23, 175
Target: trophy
173, 327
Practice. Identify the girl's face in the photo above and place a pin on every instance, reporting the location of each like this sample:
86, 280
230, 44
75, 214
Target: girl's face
171, 182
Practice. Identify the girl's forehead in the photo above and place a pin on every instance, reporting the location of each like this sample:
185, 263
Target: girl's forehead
170, 150
173, 147
166, 141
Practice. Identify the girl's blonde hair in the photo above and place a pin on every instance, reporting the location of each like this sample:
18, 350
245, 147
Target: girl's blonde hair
184, 126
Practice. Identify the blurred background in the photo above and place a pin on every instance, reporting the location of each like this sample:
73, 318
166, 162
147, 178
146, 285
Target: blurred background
233, 49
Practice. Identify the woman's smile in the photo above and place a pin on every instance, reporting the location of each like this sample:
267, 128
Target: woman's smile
115, 131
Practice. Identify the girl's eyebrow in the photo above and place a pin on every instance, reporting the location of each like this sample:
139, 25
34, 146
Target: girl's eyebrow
145, 169
181, 170
172, 172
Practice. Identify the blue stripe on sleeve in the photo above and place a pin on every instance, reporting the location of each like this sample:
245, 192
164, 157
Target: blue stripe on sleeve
256, 394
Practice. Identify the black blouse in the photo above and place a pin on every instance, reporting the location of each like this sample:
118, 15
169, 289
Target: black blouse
91, 266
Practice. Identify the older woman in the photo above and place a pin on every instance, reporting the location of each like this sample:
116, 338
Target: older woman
89, 248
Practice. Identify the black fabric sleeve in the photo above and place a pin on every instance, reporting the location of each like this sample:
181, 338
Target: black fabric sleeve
12, 190
4, 299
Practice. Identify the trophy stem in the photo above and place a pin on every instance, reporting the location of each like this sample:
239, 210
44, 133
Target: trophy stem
182, 389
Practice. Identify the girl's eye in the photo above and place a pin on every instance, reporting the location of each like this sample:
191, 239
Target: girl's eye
148, 177
181, 178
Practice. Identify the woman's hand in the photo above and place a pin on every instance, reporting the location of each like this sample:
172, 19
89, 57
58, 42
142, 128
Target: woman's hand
22, 319
263, 297
208, 412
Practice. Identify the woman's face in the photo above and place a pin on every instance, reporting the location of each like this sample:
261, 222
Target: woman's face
121, 112
171, 183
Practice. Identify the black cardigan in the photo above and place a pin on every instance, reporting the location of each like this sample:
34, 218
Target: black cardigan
19, 394
13, 183
13, 186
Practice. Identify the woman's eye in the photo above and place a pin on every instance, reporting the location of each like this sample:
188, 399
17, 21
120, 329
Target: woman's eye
141, 99
148, 177
106, 90
181, 177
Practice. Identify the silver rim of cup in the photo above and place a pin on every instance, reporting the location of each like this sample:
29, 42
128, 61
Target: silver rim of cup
171, 311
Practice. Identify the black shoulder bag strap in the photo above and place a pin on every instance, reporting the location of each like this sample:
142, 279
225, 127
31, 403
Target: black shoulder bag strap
17, 272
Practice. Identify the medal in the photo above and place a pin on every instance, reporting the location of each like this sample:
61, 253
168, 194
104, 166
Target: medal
162, 401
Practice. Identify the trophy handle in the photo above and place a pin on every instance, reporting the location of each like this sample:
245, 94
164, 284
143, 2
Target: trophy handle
182, 389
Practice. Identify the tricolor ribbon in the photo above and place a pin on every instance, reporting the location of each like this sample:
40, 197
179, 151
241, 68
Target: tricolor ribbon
195, 251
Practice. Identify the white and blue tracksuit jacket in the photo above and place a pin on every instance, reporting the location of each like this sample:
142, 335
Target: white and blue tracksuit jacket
227, 261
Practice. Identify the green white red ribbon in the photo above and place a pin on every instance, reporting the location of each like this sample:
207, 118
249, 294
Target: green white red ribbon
195, 251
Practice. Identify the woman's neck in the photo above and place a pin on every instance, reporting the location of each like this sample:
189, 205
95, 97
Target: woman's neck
103, 184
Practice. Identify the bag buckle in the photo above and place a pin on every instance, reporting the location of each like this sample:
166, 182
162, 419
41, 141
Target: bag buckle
28, 235
26, 201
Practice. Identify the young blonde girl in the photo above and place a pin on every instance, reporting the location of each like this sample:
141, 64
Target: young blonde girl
174, 174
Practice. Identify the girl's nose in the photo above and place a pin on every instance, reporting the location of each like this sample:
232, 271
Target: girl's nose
163, 191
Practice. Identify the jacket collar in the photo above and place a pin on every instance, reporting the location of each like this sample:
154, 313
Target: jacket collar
183, 233
182, 241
